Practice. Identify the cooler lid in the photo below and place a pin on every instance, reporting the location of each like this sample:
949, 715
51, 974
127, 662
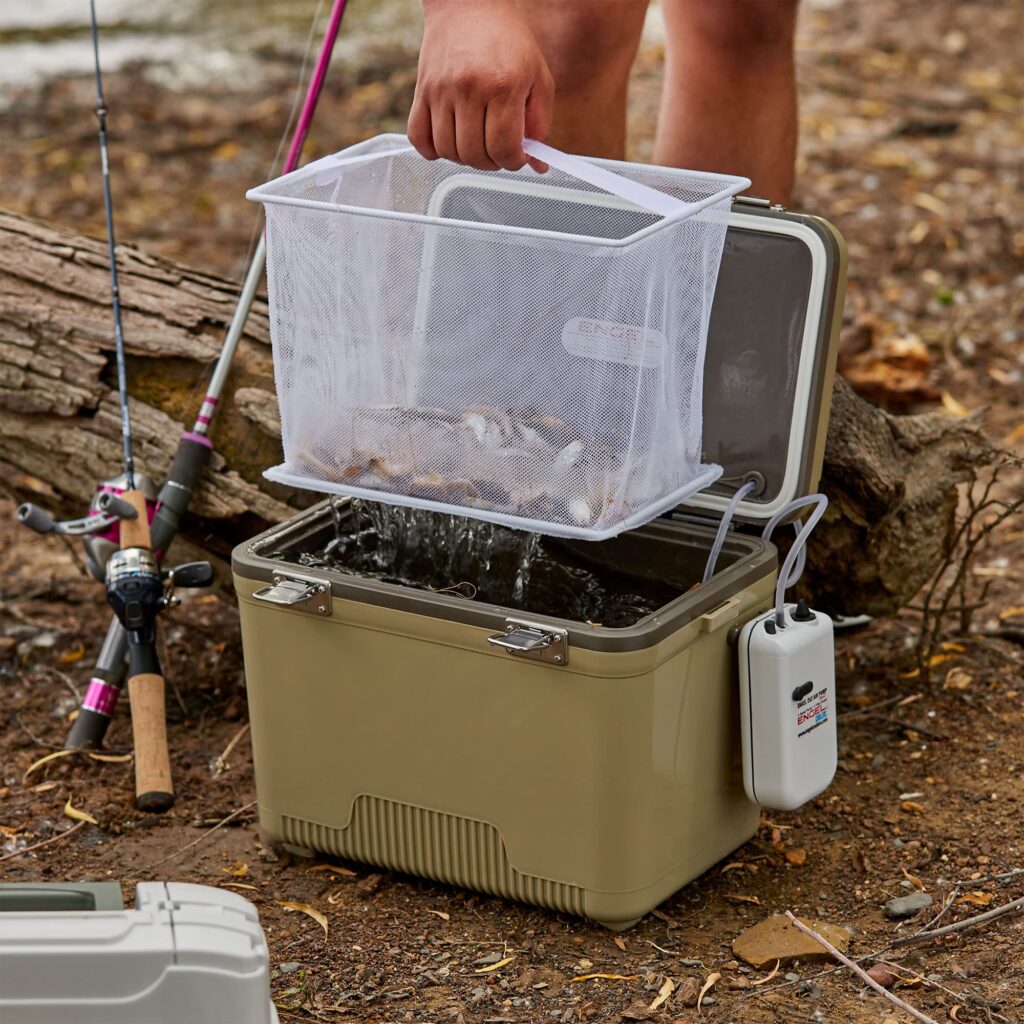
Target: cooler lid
771, 357
772, 339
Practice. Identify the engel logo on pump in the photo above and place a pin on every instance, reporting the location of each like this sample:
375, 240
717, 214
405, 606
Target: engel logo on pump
812, 711
611, 342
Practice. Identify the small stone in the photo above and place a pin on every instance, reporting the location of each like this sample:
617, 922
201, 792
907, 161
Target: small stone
906, 884
775, 938
935, 979
792, 976
882, 974
289, 968
902, 907
877, 761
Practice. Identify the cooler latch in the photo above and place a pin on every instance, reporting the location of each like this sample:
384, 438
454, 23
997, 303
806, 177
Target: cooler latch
301, 594
532, 640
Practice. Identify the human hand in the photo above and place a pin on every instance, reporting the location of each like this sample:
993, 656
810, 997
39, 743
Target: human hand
482, 85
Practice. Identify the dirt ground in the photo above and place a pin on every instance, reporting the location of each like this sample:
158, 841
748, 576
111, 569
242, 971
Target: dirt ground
912, 133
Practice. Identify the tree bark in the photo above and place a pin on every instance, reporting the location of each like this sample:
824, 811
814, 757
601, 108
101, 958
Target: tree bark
891, 480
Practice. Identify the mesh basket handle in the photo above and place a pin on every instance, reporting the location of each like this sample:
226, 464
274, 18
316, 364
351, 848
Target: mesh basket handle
625, 188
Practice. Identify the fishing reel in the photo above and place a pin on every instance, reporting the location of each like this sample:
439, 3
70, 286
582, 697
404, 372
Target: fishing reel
99, 528
137, 589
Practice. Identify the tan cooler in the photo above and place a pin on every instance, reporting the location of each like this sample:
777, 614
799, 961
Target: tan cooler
583, 768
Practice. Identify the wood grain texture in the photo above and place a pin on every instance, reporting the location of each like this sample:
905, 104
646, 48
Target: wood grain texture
892, 480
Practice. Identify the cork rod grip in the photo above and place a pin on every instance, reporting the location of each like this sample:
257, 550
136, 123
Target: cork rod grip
154, 790
135, 532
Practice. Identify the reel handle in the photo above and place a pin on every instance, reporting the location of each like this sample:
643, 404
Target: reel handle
35, 518
154, 789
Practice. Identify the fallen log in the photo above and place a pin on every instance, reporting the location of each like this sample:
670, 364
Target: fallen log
892, 480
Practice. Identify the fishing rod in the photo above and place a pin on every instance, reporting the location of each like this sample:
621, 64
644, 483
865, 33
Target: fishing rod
135, 584
191, 457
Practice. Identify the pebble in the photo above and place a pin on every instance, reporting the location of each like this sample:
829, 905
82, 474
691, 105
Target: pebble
289, 968
902, 907
792, 976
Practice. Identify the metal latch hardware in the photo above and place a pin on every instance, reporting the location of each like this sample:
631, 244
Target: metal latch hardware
532, 640
298, 593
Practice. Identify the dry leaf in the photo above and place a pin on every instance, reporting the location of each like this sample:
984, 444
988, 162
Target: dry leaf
978, 898
931, 203
667, 988
45, 787
740, 898
109, 758
618, 942
768, 977
46, 759
913, 879
605, 977
709, 984
74, 812
334, 869
953, 407
1012, 613
797, 856
957, 679
441, 914
738, 865
493, 967
305, 908
69, 657
938, 659
239, 885
237, 870
912, 807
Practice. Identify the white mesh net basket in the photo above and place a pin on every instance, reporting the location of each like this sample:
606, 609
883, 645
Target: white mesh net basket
522, 348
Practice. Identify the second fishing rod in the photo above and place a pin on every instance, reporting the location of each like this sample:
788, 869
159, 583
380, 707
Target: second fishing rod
194, 446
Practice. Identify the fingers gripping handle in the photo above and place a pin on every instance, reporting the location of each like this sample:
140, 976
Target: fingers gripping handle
154, 790
649, 198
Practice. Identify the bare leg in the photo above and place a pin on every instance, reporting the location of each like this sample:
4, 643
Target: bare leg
589, 46
729, 99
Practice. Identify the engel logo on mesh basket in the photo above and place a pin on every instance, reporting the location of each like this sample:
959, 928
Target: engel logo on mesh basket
613, 343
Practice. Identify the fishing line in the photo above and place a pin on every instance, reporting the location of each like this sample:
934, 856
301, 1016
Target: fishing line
108, 207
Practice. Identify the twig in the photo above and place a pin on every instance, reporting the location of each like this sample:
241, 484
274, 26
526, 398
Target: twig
35, 739
45, 842
1001, 876
945, 907
922, 729
871, 708
221, 763
859, 971
67, 681
1014, 636
967, 922
208, 832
